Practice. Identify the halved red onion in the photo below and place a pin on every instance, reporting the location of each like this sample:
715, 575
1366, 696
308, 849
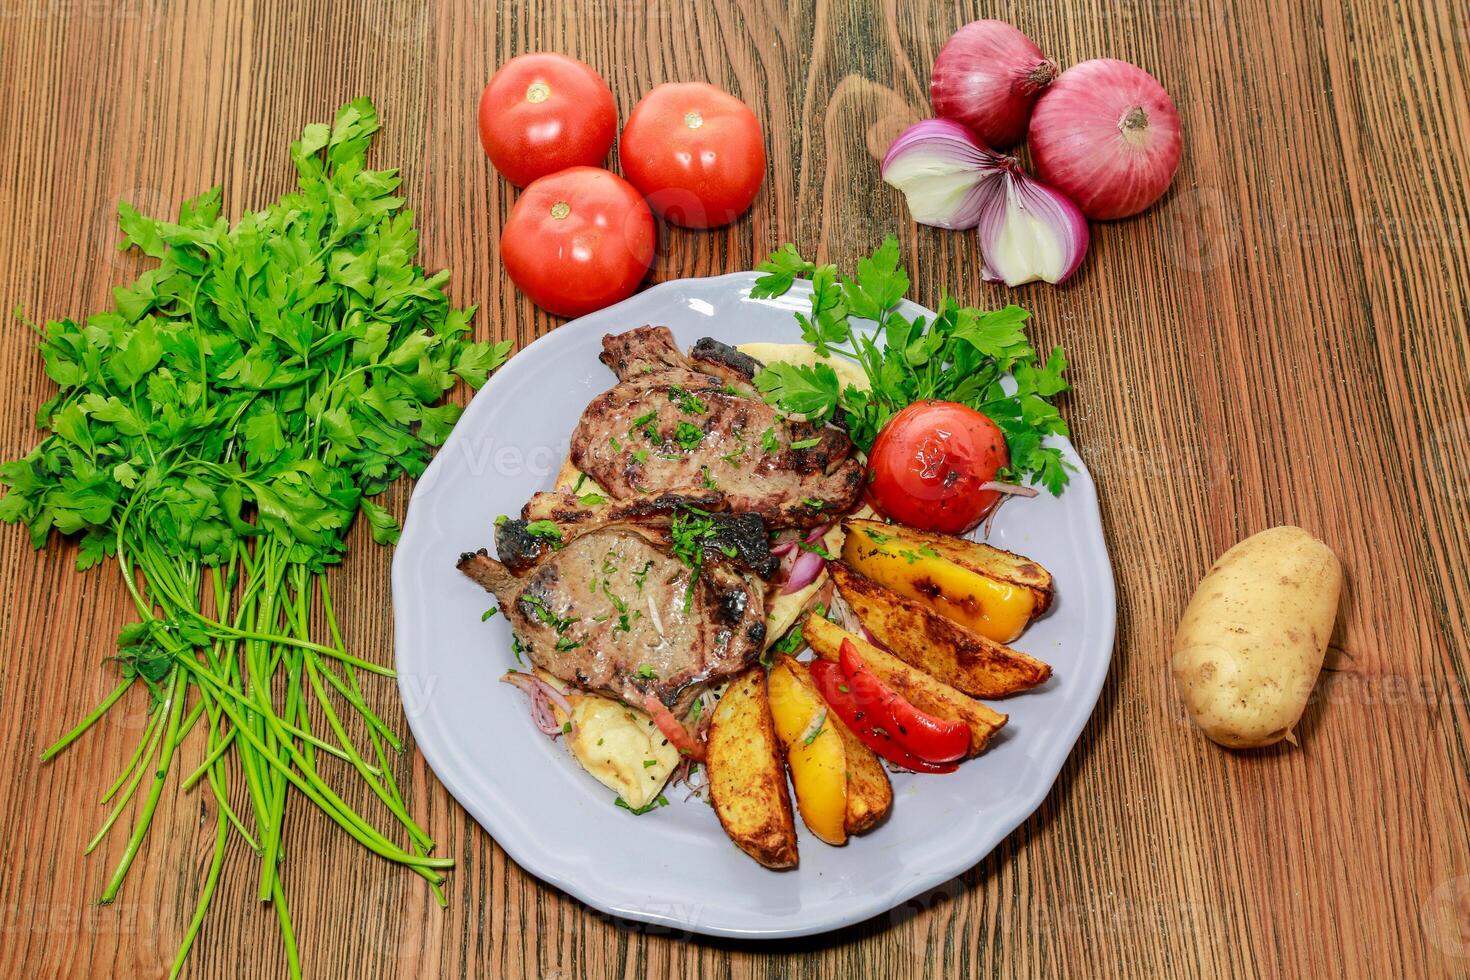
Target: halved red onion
939, 165
783, 548
1028, 231
818, 533
804, 572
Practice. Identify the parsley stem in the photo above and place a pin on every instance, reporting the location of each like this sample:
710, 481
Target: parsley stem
211, 879
137, 773
144, 818
88, 721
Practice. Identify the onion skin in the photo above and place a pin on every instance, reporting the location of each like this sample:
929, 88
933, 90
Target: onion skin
988, 76
1107, 135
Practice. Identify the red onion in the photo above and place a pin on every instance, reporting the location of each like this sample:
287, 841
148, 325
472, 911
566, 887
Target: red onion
938, 164
542, 696
989, 76
808, 566
1107, 135
1013, 489
1028, 231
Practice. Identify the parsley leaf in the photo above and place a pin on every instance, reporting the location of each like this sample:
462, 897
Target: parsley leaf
979, 358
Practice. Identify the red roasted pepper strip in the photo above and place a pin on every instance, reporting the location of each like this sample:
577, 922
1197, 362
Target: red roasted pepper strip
920, 733
689, 747
832, 684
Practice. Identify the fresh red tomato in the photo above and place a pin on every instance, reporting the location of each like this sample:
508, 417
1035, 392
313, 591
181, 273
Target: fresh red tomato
546, 112
929, 463
695, 152
578, 240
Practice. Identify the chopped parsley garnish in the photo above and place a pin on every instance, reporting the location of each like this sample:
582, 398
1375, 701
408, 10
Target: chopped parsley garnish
709, 481
821, 727
567, 643
689, 532
640, 455
807, 443
688, 436
790, 643
815, 549
877, 537
591, 499
538, 607
769, 442
640, 577
649, 763
488, 613
644, 670
545, 529
566, 728
814, 503
688, 403
612, 441
733, 458
657, 802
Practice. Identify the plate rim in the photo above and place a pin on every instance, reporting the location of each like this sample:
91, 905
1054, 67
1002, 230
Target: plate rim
438, 754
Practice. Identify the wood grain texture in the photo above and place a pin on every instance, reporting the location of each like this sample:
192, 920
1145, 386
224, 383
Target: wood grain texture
1283, 339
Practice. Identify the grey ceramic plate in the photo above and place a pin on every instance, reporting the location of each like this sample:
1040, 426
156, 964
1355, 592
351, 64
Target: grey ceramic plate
674, 867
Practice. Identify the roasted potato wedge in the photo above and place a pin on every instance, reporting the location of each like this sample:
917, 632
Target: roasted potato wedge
993, 592
921, 690
916, 634
869, 793
747, 778
815, 752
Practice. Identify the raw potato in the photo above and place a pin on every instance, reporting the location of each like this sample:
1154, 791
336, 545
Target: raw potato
918, 635
814, 750
1251, 641
747, 779
993, 592
918, 688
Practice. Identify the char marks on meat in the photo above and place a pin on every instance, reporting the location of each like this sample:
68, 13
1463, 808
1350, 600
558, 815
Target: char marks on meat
676, 421
739, 539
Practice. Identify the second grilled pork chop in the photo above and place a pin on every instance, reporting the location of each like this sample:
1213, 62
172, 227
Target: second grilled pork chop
678, 421
612, 611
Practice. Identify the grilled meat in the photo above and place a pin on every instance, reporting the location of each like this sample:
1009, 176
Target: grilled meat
614, 611
675, 421
738, 538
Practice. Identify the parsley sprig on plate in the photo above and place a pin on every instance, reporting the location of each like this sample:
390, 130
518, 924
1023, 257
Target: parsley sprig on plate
216, 433
963, 355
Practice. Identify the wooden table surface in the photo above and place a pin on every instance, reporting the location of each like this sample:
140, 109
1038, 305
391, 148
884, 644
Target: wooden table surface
1282, 340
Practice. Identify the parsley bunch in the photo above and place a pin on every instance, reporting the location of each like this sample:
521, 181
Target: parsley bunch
216, 433
963, 355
